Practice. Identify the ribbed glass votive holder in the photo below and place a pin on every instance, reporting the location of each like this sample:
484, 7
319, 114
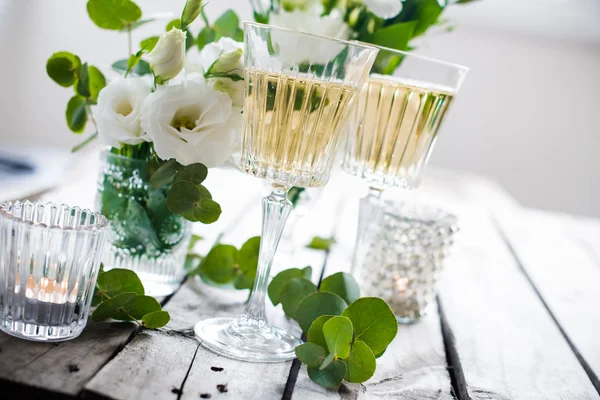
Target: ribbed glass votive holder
405, 253
49, 262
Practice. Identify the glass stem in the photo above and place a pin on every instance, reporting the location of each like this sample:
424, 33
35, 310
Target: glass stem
368, 211
275, 210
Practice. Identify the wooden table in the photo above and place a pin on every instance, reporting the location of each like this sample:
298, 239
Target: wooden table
517, 315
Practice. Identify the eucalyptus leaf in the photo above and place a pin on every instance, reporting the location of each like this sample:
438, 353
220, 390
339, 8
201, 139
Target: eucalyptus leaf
248, 256
164, 174
338, 336
206, 36
327, 361
315, 333
112, 306
311, 354
182, 196
119, 280
342, 284
83, 81
97, 82
140, 306
319, 243
62, 67
227, 24
207, 211
77, 113
330, 377
148, 44
361, 364
293, 293
244, 282
317, 304
220, 264
195, 173
279, 281
113, 14
190, 12
133, 61
374, 322
156, 319
142, 67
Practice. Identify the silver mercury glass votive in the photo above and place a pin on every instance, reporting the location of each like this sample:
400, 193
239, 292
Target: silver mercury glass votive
405, 252
49, 262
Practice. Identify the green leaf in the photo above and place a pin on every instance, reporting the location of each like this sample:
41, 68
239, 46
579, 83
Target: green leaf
149, 43
317, 304
112, 306
139, 306
394, 36
192, 262
361, 364
139, 23
113, 14
311, 354
374, 322
427, 14
182, 196
62, 67
380, 353
244, 282
83, 82
342, 284
330, 377
227, 24
338, 336
248, 256
77, 114
142, 67
164, 174
280, 280
173, 24
220, 264
319, 243
261, 18
97, 82
293, 293
193, 240
156, 319
119, 280
133, 60
207, 35
294, 193
207, 211
190, 12
195, 173
327, 361
315, 333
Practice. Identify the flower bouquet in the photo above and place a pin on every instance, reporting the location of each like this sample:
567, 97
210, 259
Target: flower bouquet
164, 126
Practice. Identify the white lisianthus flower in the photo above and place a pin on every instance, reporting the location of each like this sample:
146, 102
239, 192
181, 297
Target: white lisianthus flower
192, 123
222, 57
384, 8
168, 56
118, 111
299, 49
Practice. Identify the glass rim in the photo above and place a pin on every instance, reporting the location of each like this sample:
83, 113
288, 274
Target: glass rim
353, 43
396, 209
99, 226
425, 58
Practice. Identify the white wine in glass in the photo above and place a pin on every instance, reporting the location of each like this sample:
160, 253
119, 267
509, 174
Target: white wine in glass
394, 126
294, 114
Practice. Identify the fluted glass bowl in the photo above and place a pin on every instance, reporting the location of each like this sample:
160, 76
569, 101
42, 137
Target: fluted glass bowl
49, 262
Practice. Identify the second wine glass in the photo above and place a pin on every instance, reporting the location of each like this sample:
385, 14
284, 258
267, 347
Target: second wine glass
299, 88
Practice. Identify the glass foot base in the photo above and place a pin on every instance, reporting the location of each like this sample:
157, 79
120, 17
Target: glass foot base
225, 336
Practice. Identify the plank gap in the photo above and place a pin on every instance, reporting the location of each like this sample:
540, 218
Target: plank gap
586, 367
457, 377
188, 372
293, 376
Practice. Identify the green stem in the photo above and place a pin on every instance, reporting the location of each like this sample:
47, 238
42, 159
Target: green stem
129, 44
84, 143
131, 316
204, 17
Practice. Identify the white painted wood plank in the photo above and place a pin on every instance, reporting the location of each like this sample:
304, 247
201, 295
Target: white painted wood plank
507, 343
414, 365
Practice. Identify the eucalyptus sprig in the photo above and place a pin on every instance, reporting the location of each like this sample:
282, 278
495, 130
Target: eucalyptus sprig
227, 266
345, 333
119, 294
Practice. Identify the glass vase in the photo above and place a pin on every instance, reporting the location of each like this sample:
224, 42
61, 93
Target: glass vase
49, 262
145, 236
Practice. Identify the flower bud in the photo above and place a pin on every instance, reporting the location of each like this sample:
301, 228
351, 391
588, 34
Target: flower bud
228, 62
168, 56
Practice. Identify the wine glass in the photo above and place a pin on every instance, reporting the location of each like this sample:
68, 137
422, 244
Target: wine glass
299, 88
394, 126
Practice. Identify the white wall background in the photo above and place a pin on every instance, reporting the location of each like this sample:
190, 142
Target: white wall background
527, 115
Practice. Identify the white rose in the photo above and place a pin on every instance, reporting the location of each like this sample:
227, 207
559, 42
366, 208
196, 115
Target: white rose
384, 8
224, 56
192, 122
168, 56
296, 49
118, 111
